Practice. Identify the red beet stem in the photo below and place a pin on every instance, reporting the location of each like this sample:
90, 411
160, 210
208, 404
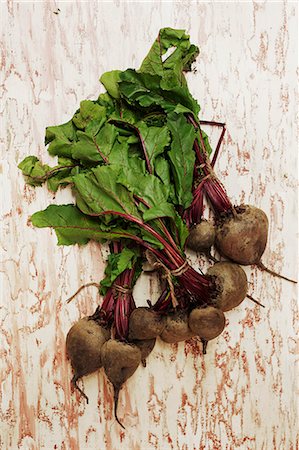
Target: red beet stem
124, 303
217, 124
163, 302
214, 190
217, 196
106, 311
194, 213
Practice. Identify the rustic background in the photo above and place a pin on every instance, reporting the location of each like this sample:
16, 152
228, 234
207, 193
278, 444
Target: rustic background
242, 395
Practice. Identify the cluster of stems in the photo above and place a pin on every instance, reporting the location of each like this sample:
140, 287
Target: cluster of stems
196, 285
210, 184
118, 302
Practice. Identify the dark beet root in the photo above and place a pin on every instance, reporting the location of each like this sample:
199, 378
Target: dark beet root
120, 360
83, 345
201, 237
242, 237
231, 284
145, 324
177, 328
146, 346
207, 323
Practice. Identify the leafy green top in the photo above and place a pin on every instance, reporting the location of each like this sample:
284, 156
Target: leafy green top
128, 156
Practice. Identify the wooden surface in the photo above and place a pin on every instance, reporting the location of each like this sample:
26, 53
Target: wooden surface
242, 395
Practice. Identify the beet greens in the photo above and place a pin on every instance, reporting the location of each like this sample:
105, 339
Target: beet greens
138, 164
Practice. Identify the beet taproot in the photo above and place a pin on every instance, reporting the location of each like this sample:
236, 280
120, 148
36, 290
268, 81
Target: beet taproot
145, 324
146, 346
242, 237
83, 346
177, 328
120, 360
230, 283
207, 323
201, 237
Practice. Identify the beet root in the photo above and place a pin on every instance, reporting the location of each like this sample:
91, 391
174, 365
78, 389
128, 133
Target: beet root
230, 284
146, 346
120, 360
207, 323
242, 237
83, 345
201, 237
177, 328
145, 324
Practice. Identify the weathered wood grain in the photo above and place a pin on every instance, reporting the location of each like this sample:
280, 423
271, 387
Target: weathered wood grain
242, 395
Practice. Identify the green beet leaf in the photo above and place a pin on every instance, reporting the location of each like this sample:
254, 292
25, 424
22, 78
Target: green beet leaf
151, 140
159, 211
118, 263
37, 173
182, 157
124, 155
102, 194
167, 210
128, 155
181, 229
34, 171
62, 178
72, 226
106, 192
89, 112
108, 102
163, 172
155, 140
143, 89
125, 112
86, 148
95, 148
145, 186
171, 67
154, 194
179, 60
110, 81
151, 91
61, 139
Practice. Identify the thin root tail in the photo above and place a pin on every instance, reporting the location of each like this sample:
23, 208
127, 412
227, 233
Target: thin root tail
80, 289
211, 257
275, 274
74, 383
116, 395
254, 300
204, 346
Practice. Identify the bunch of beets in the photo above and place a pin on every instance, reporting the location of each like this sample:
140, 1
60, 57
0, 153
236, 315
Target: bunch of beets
139, 167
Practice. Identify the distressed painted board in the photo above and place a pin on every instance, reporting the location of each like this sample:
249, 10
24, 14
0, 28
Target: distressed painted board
242, 395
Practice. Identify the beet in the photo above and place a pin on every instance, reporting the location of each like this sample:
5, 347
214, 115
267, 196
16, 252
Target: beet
243, 237
120, 360
146, 346
230, 283
83, 345
201, 237
207, 323
177, 328
145, 324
